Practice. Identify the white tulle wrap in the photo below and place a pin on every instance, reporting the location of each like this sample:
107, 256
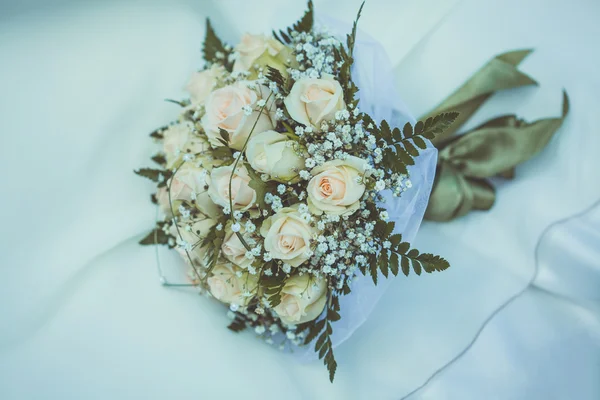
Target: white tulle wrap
372, 73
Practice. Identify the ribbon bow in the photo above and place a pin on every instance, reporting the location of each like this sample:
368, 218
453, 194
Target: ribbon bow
494, 148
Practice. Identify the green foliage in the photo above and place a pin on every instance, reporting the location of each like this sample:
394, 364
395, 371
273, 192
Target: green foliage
158, 133
399, 256
238, 324
402, 146
224, 137
159, 159
322, 330
215, 51
155, 175
156, 236
305, 24
351, 38
212, 243
274, 75
344, 55
433, 126
222, 153
273, 285
182, 103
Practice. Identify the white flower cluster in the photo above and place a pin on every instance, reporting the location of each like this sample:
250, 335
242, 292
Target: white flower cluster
314, 53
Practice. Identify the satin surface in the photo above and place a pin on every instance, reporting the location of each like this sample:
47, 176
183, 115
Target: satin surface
83, 315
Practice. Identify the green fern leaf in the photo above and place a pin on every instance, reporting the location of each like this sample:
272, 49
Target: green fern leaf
405, 266
214, 49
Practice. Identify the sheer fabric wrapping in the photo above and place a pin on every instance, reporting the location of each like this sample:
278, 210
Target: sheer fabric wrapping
378, 97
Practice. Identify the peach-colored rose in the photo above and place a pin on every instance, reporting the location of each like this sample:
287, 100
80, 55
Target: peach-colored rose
189, 184
224, 110
272, 153
303, 299
201, 83
288, 236
312, 101
252, 47
162, 197
182, 138
227, 287
242, 195
334, 187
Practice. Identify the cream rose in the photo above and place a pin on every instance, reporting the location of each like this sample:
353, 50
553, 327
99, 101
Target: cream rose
181, 138
191, 237
303, 299
201, 83
189, 184
162, 197
334, 189
242, 195
272, 153
227, 287
224, 110
233, 249
312, 101
287, 236
252, 47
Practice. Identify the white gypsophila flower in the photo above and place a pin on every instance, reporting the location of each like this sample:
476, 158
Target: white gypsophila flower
267, 256
250, 227
286, 268
384, 215
281, 189
259, 330
257, 250
380, 185
304, 174
238, 214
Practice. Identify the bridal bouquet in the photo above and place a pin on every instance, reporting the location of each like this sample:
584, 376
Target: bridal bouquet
272, 183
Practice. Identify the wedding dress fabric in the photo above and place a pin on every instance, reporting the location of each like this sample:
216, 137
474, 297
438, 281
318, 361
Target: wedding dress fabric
83, 314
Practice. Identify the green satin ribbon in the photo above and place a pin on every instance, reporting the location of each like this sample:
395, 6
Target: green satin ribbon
498, 74
494, 148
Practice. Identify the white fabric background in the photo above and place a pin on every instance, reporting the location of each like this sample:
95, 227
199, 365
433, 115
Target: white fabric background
82, 314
